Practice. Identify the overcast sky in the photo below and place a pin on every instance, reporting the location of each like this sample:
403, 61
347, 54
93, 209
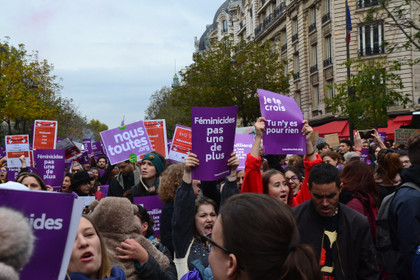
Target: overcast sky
111, 55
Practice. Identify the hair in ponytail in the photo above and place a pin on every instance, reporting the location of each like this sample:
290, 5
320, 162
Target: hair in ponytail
268, 229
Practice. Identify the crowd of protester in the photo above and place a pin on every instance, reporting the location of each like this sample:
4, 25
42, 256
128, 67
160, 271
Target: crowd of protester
309, 216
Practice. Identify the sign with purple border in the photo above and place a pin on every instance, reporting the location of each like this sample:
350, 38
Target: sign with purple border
213, 134
153, 206
50, 166
124, 142
284, 124
242, 147
51, 217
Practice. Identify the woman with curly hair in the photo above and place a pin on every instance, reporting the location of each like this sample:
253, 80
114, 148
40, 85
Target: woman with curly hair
170, 182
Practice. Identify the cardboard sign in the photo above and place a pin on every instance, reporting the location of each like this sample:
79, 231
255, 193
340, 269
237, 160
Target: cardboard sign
402, 135
242, 147
71, 149
129, 141
45, 134
153, 205
156, 129
16, 146
283, 128
181, 143
332, 139
50, 166
213, 135
54, 218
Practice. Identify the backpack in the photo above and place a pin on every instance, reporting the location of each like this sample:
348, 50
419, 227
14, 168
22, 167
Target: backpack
389, 257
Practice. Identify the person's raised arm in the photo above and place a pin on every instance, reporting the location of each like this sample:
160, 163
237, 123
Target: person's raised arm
377, 139
259, 131
307, 131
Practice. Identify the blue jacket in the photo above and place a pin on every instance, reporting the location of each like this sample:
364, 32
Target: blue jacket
116, 274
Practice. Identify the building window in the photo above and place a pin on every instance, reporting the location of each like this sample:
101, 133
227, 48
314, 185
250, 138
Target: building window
298, 98
329, 89
327, 51
315, 96
366, 3
283, 40
294, 29
371, 39
296, 67
314, 58
312, 25
225, 26
327, 11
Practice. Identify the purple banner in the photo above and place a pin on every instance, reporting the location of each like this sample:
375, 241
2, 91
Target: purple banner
12, 173
284, 124
213, 134
243, 146
153, 206
49, 214
104, 189
50, 166
364, 155
87, 144
125, 142
382, 135
98, 149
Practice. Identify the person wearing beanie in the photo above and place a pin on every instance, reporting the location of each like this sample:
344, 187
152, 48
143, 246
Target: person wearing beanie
152, 165
82, 185
17, 243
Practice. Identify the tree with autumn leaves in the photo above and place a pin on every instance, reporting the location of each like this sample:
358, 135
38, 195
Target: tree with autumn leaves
29, 91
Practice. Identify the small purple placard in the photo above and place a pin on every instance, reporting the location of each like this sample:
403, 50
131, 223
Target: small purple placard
213, 134
50, 166
284, 124
364, 155
121, 142
243, 146
49, 214
87, 144
104, 189
153, 206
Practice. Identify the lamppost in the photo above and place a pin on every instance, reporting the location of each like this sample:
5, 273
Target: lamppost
234, 61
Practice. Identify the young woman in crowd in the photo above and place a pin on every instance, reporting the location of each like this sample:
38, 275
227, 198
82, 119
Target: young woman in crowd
152, 166
89, 258
170, 182
387, 173
191, 219
261, 244
33, 182
334, 159
82, 185
67, 181
293, 179
359, 191
256, 182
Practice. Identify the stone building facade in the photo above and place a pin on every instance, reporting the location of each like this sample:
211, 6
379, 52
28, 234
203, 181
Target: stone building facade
310, 34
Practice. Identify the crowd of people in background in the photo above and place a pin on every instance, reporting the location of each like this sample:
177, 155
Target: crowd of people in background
311, 216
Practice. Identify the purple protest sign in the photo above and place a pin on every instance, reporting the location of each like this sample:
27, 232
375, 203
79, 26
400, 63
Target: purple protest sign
98, 148
84, 158
153, 206
382, 135
49, 215
104, 189
50, 166
12, 173
243, 146
284, 124
126, 142
213, 134
87, 144
364, 155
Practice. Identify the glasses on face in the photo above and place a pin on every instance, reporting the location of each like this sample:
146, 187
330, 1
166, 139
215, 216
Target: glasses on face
212, 243
293, 178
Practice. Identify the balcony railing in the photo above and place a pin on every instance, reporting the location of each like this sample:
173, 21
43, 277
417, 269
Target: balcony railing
313, 68
269, 20
296, 75
327, 62
372, 51
367, 3
326, 17
294, 37
312, 27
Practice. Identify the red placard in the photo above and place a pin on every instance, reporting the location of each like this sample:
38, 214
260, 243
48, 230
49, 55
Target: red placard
156, 129
45, 134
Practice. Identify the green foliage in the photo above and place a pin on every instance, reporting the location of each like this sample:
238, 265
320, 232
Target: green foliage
96, 127
374, 88
223, 75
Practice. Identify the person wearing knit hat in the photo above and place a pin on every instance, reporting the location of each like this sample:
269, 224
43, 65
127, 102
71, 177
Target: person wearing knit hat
152, 165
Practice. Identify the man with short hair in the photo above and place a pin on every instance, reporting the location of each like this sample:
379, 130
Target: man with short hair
404, 158
344, 147
128, 177
405, 211
339, 235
